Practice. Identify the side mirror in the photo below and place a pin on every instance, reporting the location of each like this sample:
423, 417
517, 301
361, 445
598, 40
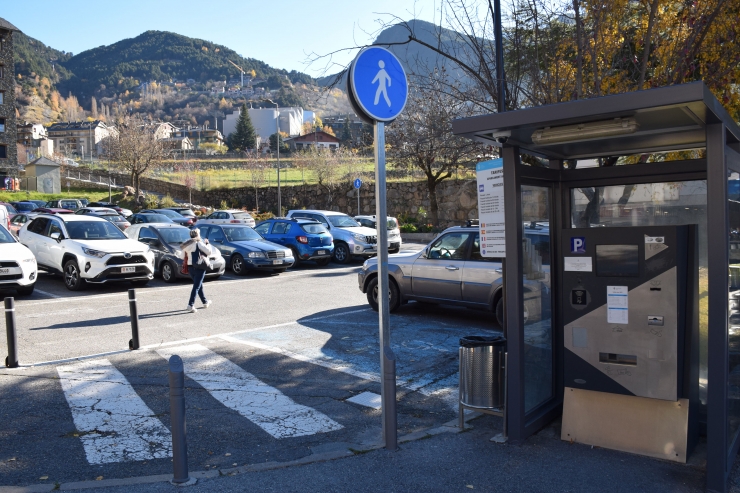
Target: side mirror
57, 236
425, 253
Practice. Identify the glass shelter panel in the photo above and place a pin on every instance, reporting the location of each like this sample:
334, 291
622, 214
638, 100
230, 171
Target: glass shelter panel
538, 334
733, 392
653, 204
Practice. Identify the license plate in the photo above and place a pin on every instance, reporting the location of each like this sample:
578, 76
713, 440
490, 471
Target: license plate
321, 252
4, 271
277, 262
128, 270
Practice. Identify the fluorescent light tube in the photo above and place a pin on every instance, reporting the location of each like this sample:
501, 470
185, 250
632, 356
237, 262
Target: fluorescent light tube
584, 131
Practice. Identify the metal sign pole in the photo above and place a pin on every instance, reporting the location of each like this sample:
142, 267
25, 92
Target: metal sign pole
358, 202
387, 359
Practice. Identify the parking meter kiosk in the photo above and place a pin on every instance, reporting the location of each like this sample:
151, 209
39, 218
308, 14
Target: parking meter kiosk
629, 311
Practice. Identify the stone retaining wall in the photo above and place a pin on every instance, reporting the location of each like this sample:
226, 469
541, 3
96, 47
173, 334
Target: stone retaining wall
457, 199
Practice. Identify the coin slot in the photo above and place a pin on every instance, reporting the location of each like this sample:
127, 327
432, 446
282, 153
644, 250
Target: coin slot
618, 359
655, 289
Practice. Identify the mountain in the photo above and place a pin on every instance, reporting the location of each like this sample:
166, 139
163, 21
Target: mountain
415, 58
158, 55
33, 58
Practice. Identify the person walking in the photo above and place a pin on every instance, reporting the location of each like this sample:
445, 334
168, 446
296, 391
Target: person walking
197, 250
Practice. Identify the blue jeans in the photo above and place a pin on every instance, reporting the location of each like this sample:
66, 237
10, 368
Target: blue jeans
197, 275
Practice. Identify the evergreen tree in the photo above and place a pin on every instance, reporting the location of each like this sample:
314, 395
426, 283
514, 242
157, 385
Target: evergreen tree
346, 132
244, 137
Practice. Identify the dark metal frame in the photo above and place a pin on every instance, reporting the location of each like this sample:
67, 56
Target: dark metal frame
710, 127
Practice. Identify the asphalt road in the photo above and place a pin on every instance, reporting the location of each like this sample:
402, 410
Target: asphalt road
279, 367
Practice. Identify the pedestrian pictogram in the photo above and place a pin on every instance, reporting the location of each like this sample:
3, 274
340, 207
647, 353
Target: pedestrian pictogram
382, 78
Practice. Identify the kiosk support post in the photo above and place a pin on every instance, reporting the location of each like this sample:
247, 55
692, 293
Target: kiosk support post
387, 359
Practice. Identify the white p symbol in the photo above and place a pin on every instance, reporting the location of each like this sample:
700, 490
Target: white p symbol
577, 244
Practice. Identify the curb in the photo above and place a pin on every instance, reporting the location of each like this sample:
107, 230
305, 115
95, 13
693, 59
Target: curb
448, 427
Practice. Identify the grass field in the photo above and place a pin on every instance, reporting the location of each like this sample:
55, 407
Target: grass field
236, 178
91, 194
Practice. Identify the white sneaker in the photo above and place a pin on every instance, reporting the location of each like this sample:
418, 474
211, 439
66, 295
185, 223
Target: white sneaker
191, 309
207, 304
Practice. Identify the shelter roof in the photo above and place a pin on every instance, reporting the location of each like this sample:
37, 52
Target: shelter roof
666, 118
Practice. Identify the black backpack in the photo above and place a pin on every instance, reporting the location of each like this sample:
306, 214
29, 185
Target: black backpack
196, 256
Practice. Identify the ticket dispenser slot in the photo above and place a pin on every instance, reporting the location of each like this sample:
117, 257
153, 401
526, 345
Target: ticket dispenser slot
627, 330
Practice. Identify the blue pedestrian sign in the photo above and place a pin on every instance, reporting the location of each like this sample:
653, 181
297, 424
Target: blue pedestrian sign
378, 84
358, 183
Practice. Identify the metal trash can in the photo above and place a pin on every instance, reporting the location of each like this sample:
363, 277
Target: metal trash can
482, 372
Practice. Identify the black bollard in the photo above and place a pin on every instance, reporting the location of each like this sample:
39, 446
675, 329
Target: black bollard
12, 360
177, 421
134, 342
390, 424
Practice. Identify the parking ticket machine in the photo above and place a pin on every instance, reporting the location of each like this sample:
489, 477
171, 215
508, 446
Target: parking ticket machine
630, 357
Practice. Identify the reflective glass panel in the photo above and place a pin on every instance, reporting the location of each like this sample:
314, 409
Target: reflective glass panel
535, 252
733, 392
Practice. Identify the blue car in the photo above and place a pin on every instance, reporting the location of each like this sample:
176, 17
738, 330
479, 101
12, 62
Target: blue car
243, 249
307, 238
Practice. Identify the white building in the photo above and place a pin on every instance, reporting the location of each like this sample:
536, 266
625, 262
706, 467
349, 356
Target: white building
263, 120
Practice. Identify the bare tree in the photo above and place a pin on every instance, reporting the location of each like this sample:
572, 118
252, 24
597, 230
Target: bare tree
422, 136
135, 149
257, 174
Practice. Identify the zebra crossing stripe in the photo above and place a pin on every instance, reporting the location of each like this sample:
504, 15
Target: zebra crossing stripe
115, 425
241, 391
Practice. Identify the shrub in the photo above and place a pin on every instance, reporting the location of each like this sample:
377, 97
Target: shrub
224, 205
151, 202
426, 228
167, 201
197, 213
408, 228
262, 216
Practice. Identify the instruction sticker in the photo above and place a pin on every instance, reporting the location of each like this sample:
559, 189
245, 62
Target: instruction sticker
617, 304
578, 264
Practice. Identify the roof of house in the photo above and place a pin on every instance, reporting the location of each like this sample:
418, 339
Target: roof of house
7, 25
61, 126
320, 136
43, 161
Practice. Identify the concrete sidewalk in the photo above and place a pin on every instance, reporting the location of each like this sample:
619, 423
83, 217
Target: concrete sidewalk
448, 462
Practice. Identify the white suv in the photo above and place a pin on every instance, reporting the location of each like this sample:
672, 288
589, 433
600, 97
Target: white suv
86, 249
394, 233
17, 265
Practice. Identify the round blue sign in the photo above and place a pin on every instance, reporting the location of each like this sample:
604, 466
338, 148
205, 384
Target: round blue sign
358, 183
378, 83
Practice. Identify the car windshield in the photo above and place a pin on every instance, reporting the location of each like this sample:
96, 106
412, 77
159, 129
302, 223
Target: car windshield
175, 236
156, 218
242, 215
241, 234
313, 228
343, 222
114, 218
169, 213
94, 230
25, 206
186, 212
5, 236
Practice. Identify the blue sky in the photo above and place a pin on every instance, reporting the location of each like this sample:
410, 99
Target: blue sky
278, 32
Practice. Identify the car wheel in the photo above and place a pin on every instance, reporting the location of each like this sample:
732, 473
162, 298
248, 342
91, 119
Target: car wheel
297, 257
500, 312
372, 295
341, 253
25, 290
323, 262
279, 271
72, 279
168, 271
237, 265
140, 283
394, 251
